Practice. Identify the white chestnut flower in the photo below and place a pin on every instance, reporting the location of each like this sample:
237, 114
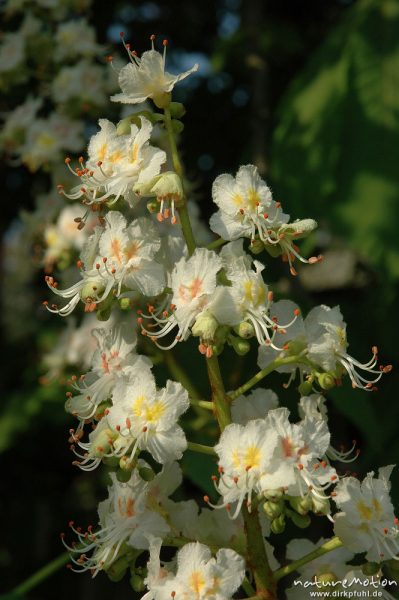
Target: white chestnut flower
367, 522
314, 407
117, 258
247, 209
123, 518
146, 77
321, 339
116, 164
198, 576
250, 296
193, 282
112, 361
270, 454
145, 418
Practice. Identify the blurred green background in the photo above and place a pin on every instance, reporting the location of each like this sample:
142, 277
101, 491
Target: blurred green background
308, 91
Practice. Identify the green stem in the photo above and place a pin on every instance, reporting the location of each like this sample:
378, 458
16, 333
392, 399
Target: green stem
216, 244
247, 587
201, 448
178, 167
256, 556
202, 404
220, 399
264, 372
40, 575
332, 544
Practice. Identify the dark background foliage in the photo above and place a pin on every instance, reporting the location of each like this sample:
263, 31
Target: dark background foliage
309, 92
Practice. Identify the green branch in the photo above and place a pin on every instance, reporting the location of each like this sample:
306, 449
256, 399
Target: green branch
266, 371
41, 575
329, 546
216, 244
201, 448
219, 397
178, 167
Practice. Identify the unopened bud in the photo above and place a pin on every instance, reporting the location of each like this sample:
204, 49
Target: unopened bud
137, 583
301, 521
123, 476
241, 347
177, 126
146, 473
205, 326
177, 110
326, 381
326, 579
321, 506
370, 568
273, 250
102, 443
169, 186
124, 303
301, 505
256, 246
273, 495
92, 289
278, 525
162, 100
245, 330
305, 388
126, 464
273, 509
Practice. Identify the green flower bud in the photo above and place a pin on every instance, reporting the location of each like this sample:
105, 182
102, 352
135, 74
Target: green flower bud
273, 495
301, 505
146, 474
241, 347
162, 100
177, 126
102, 443
278, 525
300, 520
205, 326
168, 186
305, 388
370, 568
177, 110
221, 334
245, 330
321, 507
326, 579
111, 461
122, 475
326, 381
123, 127
92, 290
137, 583
126, 464
124, 303
273, 250
256, 246
273, 509
117, 570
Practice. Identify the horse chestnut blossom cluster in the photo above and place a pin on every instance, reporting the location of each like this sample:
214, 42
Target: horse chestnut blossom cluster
152, 282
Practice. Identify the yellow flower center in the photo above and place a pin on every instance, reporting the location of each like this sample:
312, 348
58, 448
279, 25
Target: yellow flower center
151, 413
